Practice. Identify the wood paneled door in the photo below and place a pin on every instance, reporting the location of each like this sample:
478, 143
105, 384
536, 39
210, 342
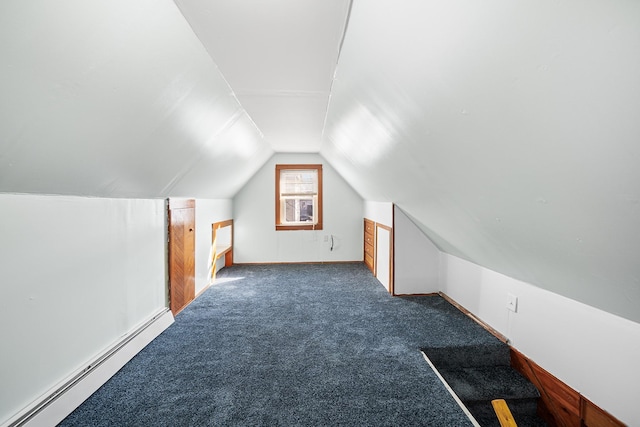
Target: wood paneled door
369, 245
182, 225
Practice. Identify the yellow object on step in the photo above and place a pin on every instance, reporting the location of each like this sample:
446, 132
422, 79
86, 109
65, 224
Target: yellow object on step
503, 413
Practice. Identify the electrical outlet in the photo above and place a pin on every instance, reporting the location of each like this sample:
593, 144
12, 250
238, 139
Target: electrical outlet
326, 238
512, 303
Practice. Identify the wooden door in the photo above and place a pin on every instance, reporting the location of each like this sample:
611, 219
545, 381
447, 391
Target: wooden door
182, 247
369, 245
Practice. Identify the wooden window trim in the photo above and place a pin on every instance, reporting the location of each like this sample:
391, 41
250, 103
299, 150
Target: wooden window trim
318, 226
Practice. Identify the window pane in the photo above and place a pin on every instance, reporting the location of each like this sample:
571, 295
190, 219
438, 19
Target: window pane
306, 210
289, 210
297, 209
299, 182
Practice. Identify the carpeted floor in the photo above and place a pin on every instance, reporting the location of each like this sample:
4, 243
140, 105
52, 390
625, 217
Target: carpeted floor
290, 345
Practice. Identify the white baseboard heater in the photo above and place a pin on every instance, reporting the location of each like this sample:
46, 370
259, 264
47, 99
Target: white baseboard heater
61, 400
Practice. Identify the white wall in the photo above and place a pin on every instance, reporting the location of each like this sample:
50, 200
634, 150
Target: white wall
78, 274
380, 212
208, 212
413, 248
593, 351
256, 239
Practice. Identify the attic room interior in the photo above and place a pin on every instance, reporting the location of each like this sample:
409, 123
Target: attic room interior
493, 146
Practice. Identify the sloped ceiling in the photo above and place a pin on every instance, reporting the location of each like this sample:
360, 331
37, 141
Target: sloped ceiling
279, 56
509, 131
117, 99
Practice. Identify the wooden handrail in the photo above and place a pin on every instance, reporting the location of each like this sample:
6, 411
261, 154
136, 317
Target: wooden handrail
503, 413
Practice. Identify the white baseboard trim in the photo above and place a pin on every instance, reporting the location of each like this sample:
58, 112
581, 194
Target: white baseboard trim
63, 399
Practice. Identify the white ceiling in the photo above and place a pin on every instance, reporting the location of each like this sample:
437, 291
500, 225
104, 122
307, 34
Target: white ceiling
117, 99
279, 56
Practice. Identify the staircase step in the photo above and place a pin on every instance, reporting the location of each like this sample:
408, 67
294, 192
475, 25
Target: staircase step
488, 383
478, 386
520, 408
480, 373
487, 354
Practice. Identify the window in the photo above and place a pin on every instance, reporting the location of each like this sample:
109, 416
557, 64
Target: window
298, 197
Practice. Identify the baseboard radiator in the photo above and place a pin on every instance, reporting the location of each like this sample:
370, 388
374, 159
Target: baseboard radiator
60, 401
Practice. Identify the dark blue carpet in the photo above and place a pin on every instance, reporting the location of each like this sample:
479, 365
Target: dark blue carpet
290, 345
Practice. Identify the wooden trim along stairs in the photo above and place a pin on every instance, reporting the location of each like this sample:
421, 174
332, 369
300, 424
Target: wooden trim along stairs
560, 405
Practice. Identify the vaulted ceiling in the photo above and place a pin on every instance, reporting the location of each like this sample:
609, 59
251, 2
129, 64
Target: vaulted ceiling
279, 57
509, 131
